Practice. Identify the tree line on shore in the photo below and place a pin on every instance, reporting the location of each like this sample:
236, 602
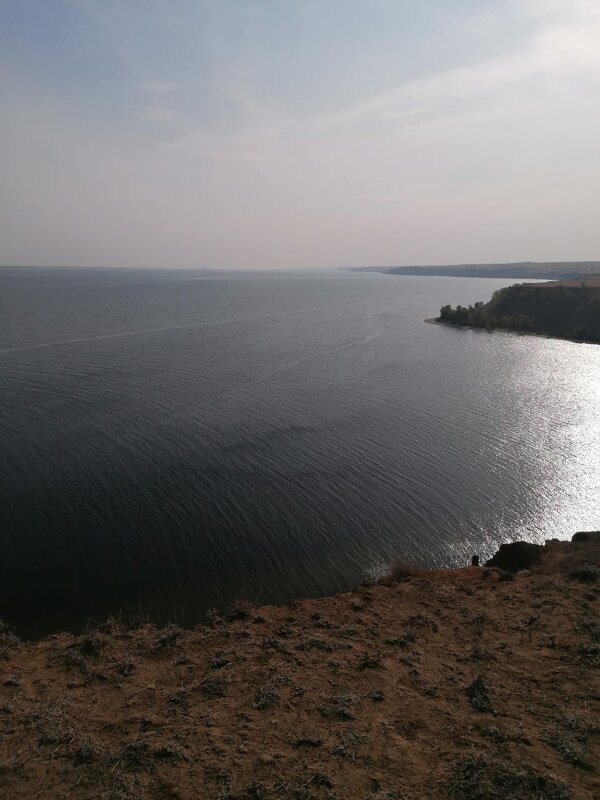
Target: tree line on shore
572, 312
477, 316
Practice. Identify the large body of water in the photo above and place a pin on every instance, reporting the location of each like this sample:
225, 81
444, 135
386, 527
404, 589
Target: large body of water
171, 441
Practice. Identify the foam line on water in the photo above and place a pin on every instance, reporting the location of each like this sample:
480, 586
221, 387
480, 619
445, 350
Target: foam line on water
148, 331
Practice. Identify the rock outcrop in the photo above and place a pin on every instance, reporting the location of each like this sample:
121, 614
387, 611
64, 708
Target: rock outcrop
516, 556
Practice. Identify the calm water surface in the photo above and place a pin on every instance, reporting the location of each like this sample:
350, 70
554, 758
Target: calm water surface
170, 441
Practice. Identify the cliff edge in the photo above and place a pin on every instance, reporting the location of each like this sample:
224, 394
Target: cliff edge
480, 683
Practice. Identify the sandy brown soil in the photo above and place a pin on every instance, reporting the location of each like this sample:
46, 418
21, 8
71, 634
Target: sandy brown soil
448, 684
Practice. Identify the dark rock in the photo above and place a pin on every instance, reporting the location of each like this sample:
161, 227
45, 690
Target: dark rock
516, 556
308, 741
585, 536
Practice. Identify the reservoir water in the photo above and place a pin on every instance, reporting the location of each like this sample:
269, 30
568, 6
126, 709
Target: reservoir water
171, 441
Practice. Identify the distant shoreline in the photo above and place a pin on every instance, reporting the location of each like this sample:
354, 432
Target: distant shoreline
520, 270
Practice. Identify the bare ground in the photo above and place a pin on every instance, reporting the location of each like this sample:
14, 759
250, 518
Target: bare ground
465, 684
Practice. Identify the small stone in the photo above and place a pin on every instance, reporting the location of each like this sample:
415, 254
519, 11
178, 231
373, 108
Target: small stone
308, 740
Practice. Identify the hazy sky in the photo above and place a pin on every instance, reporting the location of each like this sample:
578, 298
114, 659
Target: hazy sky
292, 133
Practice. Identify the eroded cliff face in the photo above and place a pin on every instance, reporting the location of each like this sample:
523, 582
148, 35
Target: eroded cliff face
478, 683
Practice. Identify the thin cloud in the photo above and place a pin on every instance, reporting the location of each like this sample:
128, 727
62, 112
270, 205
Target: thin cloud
568, 50
485, 146
159, 114
160, 87
408, 198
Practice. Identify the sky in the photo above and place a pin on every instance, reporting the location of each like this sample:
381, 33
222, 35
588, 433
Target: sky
298, 133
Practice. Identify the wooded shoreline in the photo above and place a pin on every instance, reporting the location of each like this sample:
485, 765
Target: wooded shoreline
566, 310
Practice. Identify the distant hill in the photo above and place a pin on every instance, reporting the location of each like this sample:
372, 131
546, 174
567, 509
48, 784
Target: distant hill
570, 310
551, 270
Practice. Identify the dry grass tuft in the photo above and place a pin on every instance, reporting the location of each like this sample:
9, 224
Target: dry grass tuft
8, 640
477, 778
400, 571
342, 706
588, 573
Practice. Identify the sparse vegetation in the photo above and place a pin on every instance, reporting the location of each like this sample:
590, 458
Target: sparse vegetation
478, 695
400, 571
477, 778
452, 685
8, 640
588, 573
